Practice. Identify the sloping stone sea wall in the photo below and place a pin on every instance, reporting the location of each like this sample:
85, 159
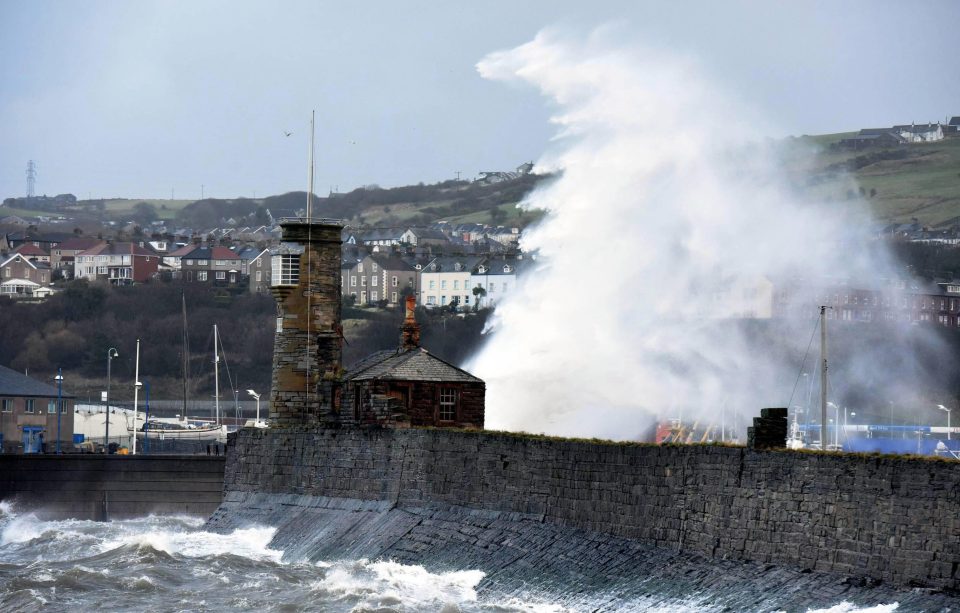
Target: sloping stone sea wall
602, 512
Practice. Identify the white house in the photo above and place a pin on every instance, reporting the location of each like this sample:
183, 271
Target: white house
920, 133
497, 277
446, 280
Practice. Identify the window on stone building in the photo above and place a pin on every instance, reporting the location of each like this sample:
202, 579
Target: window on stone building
433, 285
374, 296
202, 275
363, 281
221, 275
394, 281
393, 297
374, 267
52, 406
203, 262
221, 262
258, 276
360, 267
456, 284
448, 404
29, 405
286, 269
443, 285
6, 405
373, 281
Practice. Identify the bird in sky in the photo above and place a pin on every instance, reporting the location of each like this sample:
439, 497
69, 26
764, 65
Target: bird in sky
287, 133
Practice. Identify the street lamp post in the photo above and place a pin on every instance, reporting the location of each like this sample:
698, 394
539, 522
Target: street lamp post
256, 397
943, 408
59, 379
111, 353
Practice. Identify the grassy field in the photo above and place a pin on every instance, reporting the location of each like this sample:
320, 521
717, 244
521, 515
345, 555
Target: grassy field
6, 210
922, 181
119, 207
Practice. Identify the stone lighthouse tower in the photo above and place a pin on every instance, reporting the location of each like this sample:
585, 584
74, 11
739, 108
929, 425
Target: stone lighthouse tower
305, 280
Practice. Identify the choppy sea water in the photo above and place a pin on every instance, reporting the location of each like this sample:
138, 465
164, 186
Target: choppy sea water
172, 564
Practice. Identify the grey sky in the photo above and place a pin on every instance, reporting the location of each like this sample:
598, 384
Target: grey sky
128, 99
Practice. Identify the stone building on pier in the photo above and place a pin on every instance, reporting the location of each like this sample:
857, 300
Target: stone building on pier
307, 346
409, 386
401, 387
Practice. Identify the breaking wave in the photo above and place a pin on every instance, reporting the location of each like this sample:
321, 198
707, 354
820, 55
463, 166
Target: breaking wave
173, 564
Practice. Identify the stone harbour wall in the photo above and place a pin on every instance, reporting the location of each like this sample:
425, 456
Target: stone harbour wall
889, 519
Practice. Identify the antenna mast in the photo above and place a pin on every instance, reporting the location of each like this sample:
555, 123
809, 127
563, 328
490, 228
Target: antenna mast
31, 178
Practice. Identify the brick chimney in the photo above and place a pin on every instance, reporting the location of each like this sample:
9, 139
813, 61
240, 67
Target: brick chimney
410, 330
307, 345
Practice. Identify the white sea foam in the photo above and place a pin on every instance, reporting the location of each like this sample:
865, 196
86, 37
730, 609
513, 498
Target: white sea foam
252, 543
389, 584
846, 607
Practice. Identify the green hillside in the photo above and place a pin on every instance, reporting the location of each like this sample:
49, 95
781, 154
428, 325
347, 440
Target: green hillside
918, 180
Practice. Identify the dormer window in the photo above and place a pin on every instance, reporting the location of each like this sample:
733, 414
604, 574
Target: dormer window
458, 266
482, 270
506, 268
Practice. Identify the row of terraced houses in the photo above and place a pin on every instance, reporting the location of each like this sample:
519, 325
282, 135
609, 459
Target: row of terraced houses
376, 275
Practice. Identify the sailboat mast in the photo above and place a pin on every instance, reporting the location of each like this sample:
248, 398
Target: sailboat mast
186, 355
136, 390
216, 375
823, 377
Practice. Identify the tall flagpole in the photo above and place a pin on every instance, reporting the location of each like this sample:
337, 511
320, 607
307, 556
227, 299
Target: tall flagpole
310, 385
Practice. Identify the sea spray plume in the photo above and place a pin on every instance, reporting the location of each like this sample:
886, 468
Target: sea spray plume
667, 221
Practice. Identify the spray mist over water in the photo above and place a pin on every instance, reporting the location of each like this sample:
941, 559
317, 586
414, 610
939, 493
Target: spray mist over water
669, 219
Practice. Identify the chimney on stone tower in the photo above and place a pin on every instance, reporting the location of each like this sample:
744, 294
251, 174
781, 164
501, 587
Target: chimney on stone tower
307, 345
410, 330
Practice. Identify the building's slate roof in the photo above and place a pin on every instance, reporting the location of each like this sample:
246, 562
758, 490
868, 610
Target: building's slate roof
413, 365
211, 253
29, 249
118, 249
13, 383
918, 128
390, 262
78, 244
